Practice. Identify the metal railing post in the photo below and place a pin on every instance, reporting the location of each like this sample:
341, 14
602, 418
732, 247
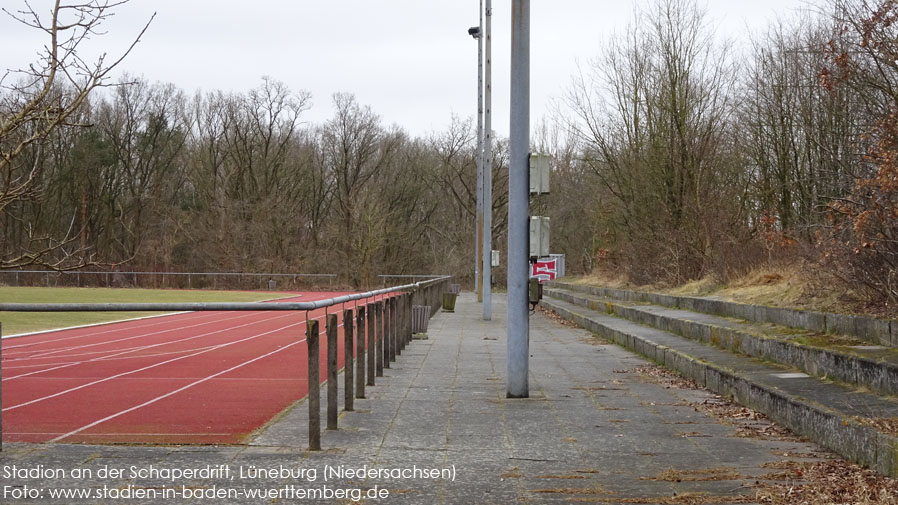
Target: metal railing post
400, 329
372, 346
360, 354
332, 391
379, 327
314, 387
388, 332
348, 395
392, 320
409, 304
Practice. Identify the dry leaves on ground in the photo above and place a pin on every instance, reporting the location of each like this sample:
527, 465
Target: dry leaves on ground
555, 317
827, 482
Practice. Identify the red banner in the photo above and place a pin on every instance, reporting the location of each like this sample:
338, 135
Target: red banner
544, 270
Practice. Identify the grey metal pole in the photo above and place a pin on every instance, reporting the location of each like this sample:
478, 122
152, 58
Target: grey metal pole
488, 170
518, 204
478, 232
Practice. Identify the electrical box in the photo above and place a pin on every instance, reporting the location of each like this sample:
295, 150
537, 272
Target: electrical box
534, 291
540, 168
494, 258
539, 236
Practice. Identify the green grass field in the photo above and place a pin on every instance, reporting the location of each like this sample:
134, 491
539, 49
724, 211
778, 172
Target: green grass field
25, 322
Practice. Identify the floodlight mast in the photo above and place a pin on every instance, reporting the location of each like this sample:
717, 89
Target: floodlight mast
487, 153
477, 33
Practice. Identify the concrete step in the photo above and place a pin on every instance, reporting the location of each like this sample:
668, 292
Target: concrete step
875, 331
860, 426
848, 360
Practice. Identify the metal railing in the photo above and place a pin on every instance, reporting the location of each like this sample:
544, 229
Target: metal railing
412, 277
389, 330
181, 280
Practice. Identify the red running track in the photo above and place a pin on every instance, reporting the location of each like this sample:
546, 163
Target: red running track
193, 378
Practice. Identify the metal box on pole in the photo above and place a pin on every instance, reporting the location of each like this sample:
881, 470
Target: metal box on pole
539, 236
540, 168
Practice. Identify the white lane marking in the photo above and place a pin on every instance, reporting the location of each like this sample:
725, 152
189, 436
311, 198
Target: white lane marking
176, 391
118, 357
167, 314
48, 352
105, 379
130, 350
73, 337
83, 326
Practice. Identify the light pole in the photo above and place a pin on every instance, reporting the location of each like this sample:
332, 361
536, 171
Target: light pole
477, 33
488, 169
518, 365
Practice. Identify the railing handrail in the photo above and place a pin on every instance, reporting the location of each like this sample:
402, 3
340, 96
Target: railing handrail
122, 272
211, 306
413, 275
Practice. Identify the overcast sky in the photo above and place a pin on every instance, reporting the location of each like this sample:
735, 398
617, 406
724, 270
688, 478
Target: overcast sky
412, 61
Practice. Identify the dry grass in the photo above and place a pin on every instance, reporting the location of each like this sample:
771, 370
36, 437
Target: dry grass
514, 473
787, 286
675, 499
827, 482
602, 279
595, 490
793, 286
704, 475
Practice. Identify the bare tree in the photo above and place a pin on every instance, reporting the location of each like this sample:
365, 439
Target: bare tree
651, 119
38, 100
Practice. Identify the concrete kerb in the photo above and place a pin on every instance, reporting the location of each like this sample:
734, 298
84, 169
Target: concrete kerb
877, 375
876, 331
845, 435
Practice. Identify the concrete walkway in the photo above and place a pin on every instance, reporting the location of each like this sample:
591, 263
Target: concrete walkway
602, 426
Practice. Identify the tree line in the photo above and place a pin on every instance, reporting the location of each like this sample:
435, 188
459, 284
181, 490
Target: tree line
678, 155
162, 181
706, 159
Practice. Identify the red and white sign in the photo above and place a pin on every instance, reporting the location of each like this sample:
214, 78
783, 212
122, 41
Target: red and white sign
545, 270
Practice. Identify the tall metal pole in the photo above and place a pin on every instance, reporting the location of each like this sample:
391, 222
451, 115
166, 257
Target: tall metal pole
518, 204
478, 274
488, 168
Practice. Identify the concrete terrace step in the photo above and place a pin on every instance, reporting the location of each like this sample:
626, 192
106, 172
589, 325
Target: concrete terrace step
876, 331
860, 426
854, 362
